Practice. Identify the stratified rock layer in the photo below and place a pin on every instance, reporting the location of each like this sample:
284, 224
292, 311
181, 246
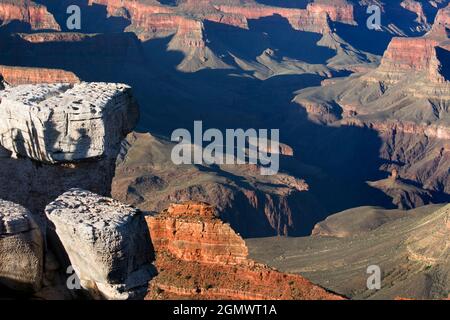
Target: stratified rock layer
62, 123
192, 232
107, 243
200, 257
34, 15
22, 75
21, 248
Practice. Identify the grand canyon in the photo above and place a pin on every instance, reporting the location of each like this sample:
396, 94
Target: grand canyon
92, 205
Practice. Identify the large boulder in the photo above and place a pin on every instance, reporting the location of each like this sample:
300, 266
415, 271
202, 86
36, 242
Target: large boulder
56, 123
21, 249
106, 241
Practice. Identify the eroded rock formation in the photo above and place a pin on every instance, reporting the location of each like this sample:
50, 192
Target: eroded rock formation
28, 12
21, 248
200, 257
65, 123
107, 243
192, 232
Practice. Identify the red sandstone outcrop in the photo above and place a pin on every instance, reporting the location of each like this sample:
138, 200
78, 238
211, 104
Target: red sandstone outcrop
408, 54
192, 232
24, 75
37, 16
200, 257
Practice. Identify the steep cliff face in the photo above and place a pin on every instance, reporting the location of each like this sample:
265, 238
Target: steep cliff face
210, 261
30, 13
192, 232
405, 55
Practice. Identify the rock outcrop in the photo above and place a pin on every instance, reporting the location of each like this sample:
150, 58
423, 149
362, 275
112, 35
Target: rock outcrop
21, 249
22, 75
406, 55
56, 123
192, 232
107, 243
34, 15
200, 257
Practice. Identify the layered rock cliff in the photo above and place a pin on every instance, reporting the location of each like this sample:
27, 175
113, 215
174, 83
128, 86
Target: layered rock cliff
32, 14
200, 257
23, 75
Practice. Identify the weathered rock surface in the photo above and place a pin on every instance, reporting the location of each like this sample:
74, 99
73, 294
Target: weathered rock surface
211, 262
64, 123
21, 249
107, 243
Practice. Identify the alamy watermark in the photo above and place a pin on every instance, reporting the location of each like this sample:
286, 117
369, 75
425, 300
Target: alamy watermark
374, 21
374, 280
74, 20
237, 146
73, 282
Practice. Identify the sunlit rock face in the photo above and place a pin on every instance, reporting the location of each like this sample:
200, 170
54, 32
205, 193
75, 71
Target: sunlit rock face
55, 123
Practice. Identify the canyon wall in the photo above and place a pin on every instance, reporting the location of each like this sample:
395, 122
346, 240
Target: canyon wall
32, 14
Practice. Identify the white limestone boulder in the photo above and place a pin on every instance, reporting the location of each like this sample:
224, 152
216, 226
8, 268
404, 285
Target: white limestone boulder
21, 249
107, 242
56, 123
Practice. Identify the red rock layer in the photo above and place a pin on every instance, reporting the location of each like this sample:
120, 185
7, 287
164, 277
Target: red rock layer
191, 232
409, 54
412, 55
339, 11
35, 15
200, 257
151, 18
22, 75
